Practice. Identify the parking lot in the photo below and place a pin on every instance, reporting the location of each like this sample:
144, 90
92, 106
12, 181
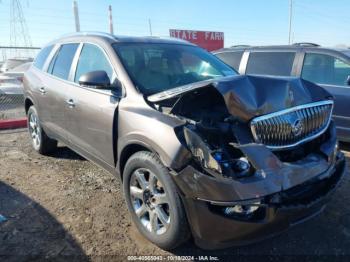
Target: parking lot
63, 205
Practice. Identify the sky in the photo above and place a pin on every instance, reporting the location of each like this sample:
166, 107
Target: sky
253, 22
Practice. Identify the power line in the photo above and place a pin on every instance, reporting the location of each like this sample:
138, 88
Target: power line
313, 9
19, 47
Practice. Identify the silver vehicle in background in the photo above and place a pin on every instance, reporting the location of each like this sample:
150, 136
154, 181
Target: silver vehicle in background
11, 83
14, 62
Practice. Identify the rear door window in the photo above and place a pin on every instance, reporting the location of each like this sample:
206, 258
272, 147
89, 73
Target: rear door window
42, 56
63, 61
92, 58
325, 69
270, 63
233, 59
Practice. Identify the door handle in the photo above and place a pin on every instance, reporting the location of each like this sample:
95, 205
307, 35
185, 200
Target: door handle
42, 90
70, 103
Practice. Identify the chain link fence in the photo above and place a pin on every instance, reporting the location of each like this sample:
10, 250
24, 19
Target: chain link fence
11, 106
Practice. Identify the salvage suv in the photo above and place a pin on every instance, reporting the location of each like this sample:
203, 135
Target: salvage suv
200, 150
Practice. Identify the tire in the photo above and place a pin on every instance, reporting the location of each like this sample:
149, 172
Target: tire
40, 141
146, 177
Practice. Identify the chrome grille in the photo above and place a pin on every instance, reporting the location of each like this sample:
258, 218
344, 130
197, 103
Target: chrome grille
293, 126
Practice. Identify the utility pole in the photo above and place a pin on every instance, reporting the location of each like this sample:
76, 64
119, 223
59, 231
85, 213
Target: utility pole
290, 20
150, 26
110, 19
76, 16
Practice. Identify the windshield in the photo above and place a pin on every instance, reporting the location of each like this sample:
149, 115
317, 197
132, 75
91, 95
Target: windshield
156, 67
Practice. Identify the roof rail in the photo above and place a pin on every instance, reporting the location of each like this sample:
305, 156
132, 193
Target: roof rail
94, 33
306, 44
238, 46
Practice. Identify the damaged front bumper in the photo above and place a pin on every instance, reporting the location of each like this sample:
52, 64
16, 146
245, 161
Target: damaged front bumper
285, 194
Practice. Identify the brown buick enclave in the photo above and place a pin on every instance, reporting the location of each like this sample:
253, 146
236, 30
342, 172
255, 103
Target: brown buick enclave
200, 150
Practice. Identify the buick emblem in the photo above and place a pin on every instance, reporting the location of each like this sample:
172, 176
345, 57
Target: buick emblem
297, 127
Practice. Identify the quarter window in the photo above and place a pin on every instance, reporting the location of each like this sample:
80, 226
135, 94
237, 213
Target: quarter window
325, 69
271, 63
42, 56
233, 59
92, 58
63, 61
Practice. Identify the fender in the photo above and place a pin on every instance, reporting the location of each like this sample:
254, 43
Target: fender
166, 154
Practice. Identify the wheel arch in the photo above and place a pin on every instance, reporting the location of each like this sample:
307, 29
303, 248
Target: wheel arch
172, 155
28, 102
128, 151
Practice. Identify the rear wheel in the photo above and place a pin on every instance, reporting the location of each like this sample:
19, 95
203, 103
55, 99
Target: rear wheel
154, 202
40, 141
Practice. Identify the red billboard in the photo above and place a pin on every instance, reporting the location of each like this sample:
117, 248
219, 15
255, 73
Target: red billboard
205, 39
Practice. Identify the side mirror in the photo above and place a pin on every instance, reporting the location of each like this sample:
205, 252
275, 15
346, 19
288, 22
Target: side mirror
95, 79
348, 81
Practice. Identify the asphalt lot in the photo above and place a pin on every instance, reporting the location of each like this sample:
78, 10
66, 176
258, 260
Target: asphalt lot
63, 207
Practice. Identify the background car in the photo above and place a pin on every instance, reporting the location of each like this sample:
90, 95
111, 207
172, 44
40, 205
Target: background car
18, 71
11, 85
11, 96
8, 83
14, 62
328, 67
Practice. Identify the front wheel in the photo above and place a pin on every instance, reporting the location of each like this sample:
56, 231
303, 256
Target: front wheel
154, 202
40, 141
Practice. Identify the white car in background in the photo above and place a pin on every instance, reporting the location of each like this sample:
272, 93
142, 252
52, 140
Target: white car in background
11, 86
13, 63
18, 71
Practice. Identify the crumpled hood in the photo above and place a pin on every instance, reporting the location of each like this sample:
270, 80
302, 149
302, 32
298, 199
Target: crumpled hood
249, 96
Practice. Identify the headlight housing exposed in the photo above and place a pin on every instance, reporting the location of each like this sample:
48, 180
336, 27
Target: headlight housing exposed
242, 210
216, 160
254, 210
201, 151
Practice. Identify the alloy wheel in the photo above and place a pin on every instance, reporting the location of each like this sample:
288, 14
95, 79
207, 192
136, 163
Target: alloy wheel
150, 201
34, 129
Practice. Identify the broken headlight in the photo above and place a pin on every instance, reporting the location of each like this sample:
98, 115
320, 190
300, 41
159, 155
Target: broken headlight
254, 210
243, 210
215, 159
201, 151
